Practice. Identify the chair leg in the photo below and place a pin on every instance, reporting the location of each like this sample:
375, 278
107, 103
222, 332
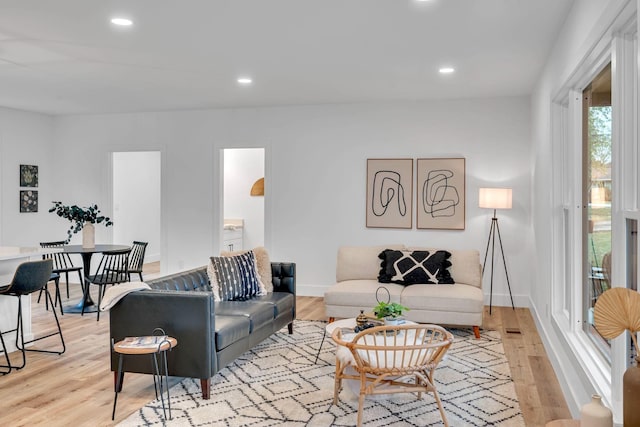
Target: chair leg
6, 356
442, 414
85, 295
81, 282
140, 274
360, 407
58, 298
20, 333
337, 382
66, 276
23, 349
100, 293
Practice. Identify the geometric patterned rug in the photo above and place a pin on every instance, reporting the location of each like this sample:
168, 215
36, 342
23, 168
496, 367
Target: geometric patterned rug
277, 383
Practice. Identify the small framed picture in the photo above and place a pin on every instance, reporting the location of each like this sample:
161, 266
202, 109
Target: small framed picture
28, 176
28, 201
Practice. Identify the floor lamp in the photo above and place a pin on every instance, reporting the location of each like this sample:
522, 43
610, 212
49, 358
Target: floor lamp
495, 198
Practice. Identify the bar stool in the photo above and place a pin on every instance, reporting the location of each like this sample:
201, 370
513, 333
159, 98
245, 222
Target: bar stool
30, 277
155, 345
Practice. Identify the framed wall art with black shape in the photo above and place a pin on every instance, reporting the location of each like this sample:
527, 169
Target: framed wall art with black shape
440, 193
389, 193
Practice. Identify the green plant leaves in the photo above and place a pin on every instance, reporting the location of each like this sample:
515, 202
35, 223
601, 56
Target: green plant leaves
79, 216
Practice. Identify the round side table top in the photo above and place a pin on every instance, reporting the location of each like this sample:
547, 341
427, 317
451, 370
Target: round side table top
128, 346
563, 423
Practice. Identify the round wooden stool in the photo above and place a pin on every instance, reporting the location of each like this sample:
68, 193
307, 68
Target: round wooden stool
156, 346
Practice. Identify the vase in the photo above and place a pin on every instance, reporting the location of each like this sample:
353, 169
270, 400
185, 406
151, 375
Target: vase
88, 236
630, 393
595, 414
393, 321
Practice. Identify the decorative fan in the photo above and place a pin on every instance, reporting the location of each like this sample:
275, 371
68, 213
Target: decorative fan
617, 310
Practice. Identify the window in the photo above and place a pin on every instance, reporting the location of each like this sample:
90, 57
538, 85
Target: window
596, 199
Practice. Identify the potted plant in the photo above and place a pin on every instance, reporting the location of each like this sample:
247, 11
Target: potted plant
391, 312
81, 219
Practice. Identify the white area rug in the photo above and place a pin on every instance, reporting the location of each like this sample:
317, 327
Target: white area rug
278, 384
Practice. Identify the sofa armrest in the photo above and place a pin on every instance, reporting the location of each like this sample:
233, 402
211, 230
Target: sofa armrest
284, 277
187, 316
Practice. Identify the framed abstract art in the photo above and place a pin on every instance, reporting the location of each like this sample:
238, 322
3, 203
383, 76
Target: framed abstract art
389, 193
441, 193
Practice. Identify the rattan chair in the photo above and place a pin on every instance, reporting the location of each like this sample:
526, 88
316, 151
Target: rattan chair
113, 269
30, 277
392, 359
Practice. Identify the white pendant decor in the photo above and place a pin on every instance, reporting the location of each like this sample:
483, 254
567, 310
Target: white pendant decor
88, 236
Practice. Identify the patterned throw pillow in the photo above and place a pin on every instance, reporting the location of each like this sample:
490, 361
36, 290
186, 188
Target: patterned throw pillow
263, 265
234, 278
409, 268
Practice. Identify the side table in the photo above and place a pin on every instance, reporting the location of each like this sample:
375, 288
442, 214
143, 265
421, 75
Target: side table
156, 346
330, 327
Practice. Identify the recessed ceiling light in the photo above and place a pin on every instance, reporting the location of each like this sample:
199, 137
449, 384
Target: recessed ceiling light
245, 80
446, 70
124, 22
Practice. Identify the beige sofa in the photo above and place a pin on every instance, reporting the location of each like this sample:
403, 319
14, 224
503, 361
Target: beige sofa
458, 304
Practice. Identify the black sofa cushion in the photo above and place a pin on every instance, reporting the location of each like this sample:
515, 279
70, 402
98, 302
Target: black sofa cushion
283, 302
230, 329
259, 314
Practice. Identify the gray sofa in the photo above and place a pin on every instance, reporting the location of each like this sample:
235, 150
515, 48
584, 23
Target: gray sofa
210, 334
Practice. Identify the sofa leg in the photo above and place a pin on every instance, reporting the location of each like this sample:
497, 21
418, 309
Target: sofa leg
332, 319
290, 326
205, 385
476, 331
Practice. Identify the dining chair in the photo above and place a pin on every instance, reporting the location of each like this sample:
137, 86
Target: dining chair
391, 359
112, 270
136, 260
55, 278
61, 262
30, 277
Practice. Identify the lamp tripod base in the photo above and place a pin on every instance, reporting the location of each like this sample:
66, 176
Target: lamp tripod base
495, 229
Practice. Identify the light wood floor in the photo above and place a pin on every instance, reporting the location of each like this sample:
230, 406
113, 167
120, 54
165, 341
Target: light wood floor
76, 388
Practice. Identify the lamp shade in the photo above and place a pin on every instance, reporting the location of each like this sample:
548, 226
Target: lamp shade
495, 198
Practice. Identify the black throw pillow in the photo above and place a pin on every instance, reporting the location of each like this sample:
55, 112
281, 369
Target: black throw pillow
409, 268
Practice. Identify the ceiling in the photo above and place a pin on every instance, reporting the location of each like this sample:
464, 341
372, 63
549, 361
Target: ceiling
65, 57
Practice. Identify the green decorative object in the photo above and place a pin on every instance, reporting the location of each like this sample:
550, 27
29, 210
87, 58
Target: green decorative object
79, 217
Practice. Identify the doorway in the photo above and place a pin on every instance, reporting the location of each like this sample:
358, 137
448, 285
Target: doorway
243, 212
136, 200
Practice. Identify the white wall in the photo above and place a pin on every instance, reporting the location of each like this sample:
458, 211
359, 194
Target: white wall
316, 158
585, 25
136, 197
26, 138
242, 167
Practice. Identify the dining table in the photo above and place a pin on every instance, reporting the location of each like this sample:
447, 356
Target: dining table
86, 254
